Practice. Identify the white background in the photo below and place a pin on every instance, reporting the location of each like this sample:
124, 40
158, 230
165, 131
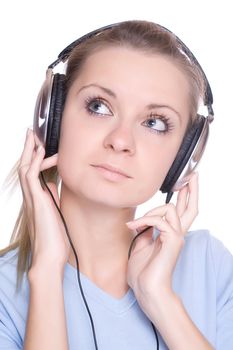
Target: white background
34, 32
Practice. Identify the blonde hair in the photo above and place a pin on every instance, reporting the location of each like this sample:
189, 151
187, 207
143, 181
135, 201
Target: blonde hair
147, 37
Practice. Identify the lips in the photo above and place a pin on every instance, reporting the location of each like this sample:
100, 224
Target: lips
111, 168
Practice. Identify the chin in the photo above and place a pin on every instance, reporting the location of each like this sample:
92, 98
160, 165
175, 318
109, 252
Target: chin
117, 198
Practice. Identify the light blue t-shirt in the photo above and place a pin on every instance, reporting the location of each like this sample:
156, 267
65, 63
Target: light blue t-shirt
203, 279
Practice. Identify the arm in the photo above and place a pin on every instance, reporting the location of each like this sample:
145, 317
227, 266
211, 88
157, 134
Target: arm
46, 323
167, 312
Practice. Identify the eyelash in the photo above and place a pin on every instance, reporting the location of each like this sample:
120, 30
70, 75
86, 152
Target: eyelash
152, 115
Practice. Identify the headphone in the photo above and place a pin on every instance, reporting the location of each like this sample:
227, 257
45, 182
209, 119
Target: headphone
50, 103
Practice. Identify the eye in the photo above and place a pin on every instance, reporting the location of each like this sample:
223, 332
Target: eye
95, 105
158, 123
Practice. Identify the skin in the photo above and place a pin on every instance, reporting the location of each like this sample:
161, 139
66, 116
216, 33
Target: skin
118, 138
98, 209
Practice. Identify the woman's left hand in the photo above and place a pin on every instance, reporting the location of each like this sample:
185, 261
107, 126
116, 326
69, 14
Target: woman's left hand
152, 262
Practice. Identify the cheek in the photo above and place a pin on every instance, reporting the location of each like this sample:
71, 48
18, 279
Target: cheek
155, 166
79, 146
71, 144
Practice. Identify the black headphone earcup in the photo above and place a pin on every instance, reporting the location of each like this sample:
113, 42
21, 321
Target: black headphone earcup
186, 149
57, 100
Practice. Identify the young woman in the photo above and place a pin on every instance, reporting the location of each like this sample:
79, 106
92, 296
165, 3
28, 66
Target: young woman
128, 99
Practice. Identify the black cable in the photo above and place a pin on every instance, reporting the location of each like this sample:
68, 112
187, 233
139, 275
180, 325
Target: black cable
156, 335
131, 245
77, 264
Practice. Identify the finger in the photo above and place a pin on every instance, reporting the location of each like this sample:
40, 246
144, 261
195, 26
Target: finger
192, 206
181, 203
156, 221
27, 153
32, 175
49, 162
167, 211
25, 161
37, 140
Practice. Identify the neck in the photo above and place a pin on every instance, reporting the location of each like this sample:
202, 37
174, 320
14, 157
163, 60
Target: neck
99, 234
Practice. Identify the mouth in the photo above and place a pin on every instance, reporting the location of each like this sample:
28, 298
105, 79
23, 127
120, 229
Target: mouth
114, 172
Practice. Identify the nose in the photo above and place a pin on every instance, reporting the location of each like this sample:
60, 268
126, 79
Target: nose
120, 139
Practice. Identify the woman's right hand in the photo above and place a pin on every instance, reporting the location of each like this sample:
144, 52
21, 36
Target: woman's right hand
50, 246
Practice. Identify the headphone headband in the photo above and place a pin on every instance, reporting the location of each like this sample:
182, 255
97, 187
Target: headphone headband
65, 53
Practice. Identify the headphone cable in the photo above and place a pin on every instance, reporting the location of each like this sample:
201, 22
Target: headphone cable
77, 264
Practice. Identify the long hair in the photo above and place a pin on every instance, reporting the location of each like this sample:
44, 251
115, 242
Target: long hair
144, 36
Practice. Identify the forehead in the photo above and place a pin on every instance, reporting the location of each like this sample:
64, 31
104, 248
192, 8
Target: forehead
143, 77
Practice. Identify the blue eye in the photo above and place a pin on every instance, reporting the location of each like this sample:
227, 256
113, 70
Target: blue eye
97, 106
157, 123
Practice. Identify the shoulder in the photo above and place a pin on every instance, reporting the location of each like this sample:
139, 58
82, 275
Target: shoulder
8, 269
11, 297
202, 241
208, 253
13, 302
9, 259
204, 280
205, 266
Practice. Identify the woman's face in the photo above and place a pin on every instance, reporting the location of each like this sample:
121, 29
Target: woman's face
128, 110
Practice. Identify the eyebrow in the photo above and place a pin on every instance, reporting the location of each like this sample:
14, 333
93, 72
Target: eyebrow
112, 94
